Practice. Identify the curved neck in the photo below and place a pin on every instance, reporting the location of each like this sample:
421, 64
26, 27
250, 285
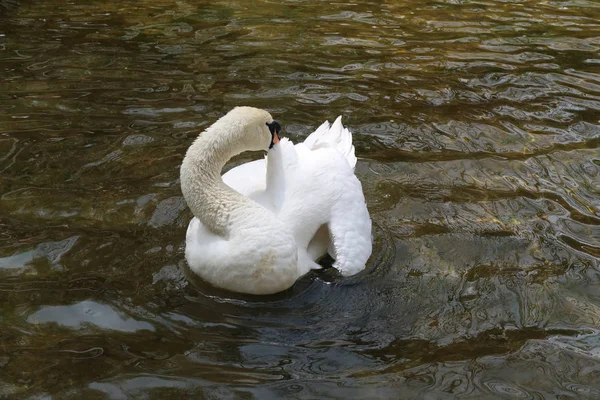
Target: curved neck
210, 200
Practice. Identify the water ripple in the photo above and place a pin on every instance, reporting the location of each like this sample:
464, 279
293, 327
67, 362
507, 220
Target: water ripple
476, 127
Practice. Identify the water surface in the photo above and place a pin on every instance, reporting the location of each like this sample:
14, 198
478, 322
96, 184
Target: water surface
477, 126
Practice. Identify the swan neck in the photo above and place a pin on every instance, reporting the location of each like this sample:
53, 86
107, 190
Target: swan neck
209, 199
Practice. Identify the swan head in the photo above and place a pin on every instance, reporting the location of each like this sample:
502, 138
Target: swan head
254, 128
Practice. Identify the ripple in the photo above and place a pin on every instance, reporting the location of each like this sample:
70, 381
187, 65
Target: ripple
87, 312
476, 127
507, 389
52, 252
167, 211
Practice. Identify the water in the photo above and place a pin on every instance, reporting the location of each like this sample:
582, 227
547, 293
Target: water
477, 126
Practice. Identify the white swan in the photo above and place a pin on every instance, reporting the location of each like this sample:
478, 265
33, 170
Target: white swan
264, 223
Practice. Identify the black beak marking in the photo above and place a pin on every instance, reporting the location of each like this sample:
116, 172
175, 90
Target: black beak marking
274, 128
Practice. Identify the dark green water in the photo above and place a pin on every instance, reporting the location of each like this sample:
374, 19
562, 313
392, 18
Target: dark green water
477, 127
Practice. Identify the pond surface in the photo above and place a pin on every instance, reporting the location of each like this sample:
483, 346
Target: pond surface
477, 127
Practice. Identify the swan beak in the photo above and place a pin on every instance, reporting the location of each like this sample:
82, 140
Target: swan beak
274, 128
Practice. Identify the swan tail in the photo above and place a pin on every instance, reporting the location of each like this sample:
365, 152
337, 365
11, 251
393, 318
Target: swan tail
335, 136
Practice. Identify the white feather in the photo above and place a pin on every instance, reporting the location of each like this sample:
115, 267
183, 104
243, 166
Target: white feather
334, 136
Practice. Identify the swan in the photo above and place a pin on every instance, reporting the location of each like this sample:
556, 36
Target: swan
263, 224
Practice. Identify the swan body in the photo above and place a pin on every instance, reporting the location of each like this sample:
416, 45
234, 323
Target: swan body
263, 224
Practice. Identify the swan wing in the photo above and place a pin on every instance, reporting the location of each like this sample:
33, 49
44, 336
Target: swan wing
333, 136
325, 206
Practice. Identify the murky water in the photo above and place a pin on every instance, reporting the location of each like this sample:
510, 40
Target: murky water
477, 125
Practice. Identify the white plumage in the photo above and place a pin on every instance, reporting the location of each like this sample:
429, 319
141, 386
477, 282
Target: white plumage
284, 212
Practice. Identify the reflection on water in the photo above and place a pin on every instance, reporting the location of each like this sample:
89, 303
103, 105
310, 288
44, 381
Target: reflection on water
478, 132
87, 312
